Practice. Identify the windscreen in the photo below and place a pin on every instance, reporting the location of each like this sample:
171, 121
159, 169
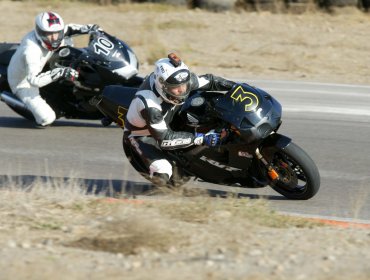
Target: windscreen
109, 48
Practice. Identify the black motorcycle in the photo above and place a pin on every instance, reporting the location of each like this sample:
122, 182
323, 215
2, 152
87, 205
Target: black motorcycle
106, 60
252, 155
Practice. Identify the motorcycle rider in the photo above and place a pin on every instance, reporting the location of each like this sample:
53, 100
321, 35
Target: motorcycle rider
25, 74
148, 120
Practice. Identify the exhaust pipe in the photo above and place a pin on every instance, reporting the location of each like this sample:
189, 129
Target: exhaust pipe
16, 105
11, 101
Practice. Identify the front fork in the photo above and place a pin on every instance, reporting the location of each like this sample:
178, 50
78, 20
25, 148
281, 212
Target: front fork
272, 173
270, 144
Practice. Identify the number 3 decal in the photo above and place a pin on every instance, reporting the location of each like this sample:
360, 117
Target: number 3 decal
121, 113
103, 46
246, 97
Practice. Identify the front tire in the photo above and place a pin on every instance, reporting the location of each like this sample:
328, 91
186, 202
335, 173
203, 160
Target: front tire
299, 177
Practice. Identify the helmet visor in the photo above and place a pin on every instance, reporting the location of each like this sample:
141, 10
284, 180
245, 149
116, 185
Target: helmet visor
52, 39
177, 92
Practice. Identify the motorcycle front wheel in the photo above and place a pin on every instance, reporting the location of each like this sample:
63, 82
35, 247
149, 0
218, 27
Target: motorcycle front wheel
299, 176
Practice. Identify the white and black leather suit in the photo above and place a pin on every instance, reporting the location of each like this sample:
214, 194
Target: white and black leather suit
147, 124
25, 74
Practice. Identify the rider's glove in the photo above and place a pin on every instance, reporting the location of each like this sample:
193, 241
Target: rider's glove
66, 73
210, 139
70, 74
94, 28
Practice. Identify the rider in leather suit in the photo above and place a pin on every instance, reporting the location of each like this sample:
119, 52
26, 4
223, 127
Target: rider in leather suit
147, 124
25, 74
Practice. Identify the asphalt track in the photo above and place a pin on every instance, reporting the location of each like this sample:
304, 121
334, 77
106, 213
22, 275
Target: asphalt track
330, 122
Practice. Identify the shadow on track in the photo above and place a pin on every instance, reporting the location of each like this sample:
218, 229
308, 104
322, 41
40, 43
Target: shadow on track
16, 122
218, 193
19, 122
109, 188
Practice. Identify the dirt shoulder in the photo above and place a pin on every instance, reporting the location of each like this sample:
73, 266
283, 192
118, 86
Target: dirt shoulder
55, 232
315, 46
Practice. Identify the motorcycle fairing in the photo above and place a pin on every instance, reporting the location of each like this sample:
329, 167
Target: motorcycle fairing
114, 54
198, 111
6, 52
107, 60
252, 111
215, 165
115, 102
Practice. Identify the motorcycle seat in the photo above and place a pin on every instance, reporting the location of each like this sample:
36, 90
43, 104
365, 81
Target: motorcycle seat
120, 94
6, 52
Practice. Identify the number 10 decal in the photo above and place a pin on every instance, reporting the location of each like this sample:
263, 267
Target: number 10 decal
103, 46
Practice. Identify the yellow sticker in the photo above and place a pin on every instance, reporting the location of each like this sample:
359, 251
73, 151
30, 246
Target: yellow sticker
121, 116
240, 95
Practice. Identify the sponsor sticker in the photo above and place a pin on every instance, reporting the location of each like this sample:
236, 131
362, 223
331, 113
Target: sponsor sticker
175, 142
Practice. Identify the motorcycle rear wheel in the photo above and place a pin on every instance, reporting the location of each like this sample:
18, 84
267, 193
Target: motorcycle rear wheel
299, 177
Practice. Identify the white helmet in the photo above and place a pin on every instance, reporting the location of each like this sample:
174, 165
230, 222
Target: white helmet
48, 23
170, 73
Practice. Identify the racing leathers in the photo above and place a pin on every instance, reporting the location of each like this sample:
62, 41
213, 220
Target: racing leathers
147, 125
25, 74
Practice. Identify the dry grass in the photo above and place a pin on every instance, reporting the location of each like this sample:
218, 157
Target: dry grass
313, 46
49, 209
56, 226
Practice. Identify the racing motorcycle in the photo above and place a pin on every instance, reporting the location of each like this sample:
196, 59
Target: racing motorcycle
105, 61
252, 154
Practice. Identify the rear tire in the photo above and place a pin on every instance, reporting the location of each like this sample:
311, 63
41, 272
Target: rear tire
299, 177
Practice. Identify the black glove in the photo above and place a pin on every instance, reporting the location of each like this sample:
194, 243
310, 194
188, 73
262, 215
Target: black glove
66, 73
69, 74
94, 28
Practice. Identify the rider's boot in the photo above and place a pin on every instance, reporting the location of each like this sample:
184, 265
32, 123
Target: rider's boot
160, 179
